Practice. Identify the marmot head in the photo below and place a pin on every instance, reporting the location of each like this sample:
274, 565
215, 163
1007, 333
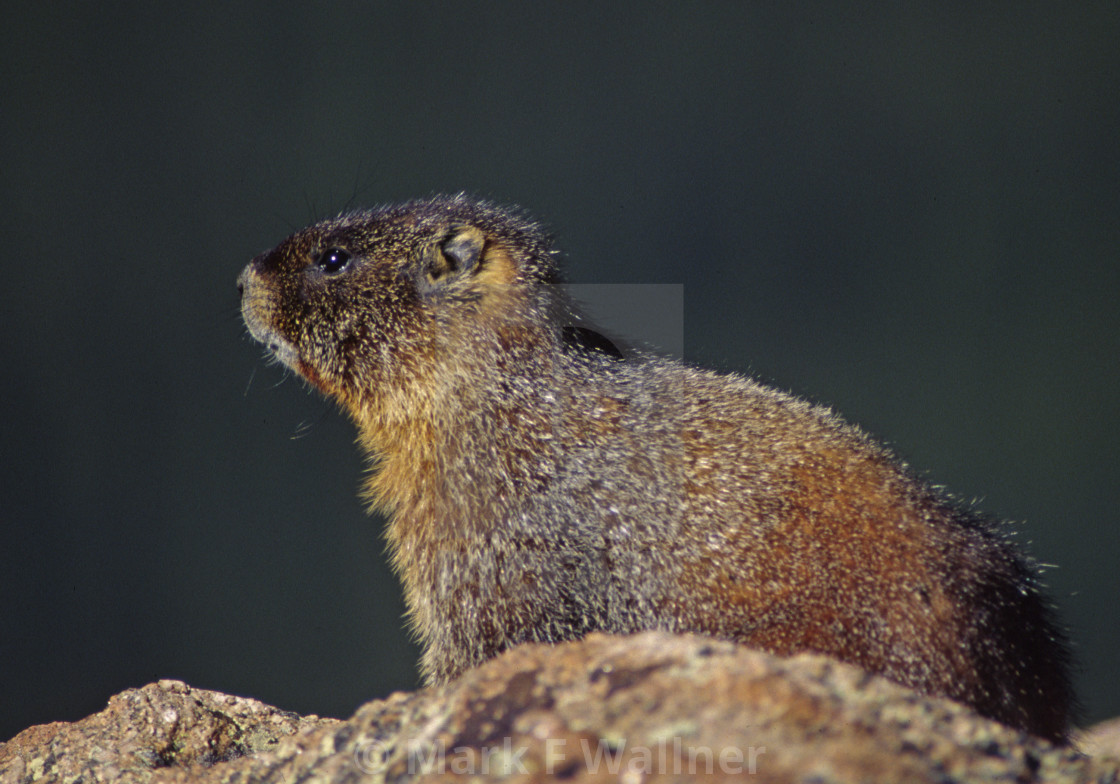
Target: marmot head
365, 301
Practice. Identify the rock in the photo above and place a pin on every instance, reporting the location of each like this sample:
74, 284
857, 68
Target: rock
1102, 740
651, 707
142, 731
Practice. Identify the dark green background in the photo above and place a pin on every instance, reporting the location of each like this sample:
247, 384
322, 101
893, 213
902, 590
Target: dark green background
911, 213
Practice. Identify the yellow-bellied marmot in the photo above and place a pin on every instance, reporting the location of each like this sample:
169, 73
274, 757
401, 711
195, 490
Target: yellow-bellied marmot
539, 486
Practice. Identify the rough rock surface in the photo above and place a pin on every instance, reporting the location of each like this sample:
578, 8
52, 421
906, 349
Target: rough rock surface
653, 707
163, 725
1102, 740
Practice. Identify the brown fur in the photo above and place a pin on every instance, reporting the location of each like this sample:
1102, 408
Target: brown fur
537, 490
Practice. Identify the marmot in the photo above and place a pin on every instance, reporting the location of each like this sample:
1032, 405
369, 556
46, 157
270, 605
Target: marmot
539, 485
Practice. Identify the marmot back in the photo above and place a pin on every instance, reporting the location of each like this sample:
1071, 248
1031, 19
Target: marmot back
539, 487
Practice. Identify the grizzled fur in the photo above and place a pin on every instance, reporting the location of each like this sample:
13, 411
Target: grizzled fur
540, 487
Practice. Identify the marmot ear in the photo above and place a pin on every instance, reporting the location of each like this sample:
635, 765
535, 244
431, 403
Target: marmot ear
458, 255
465, 254
463, 250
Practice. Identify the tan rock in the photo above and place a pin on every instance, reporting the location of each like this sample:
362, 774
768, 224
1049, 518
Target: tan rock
162, 725
652, 707
1101, 740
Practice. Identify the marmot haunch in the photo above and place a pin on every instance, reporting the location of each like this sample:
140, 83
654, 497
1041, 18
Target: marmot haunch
539, 487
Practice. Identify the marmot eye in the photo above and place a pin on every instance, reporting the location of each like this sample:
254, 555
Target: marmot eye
333, 260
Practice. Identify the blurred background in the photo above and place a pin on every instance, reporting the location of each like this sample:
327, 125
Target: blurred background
910, 214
